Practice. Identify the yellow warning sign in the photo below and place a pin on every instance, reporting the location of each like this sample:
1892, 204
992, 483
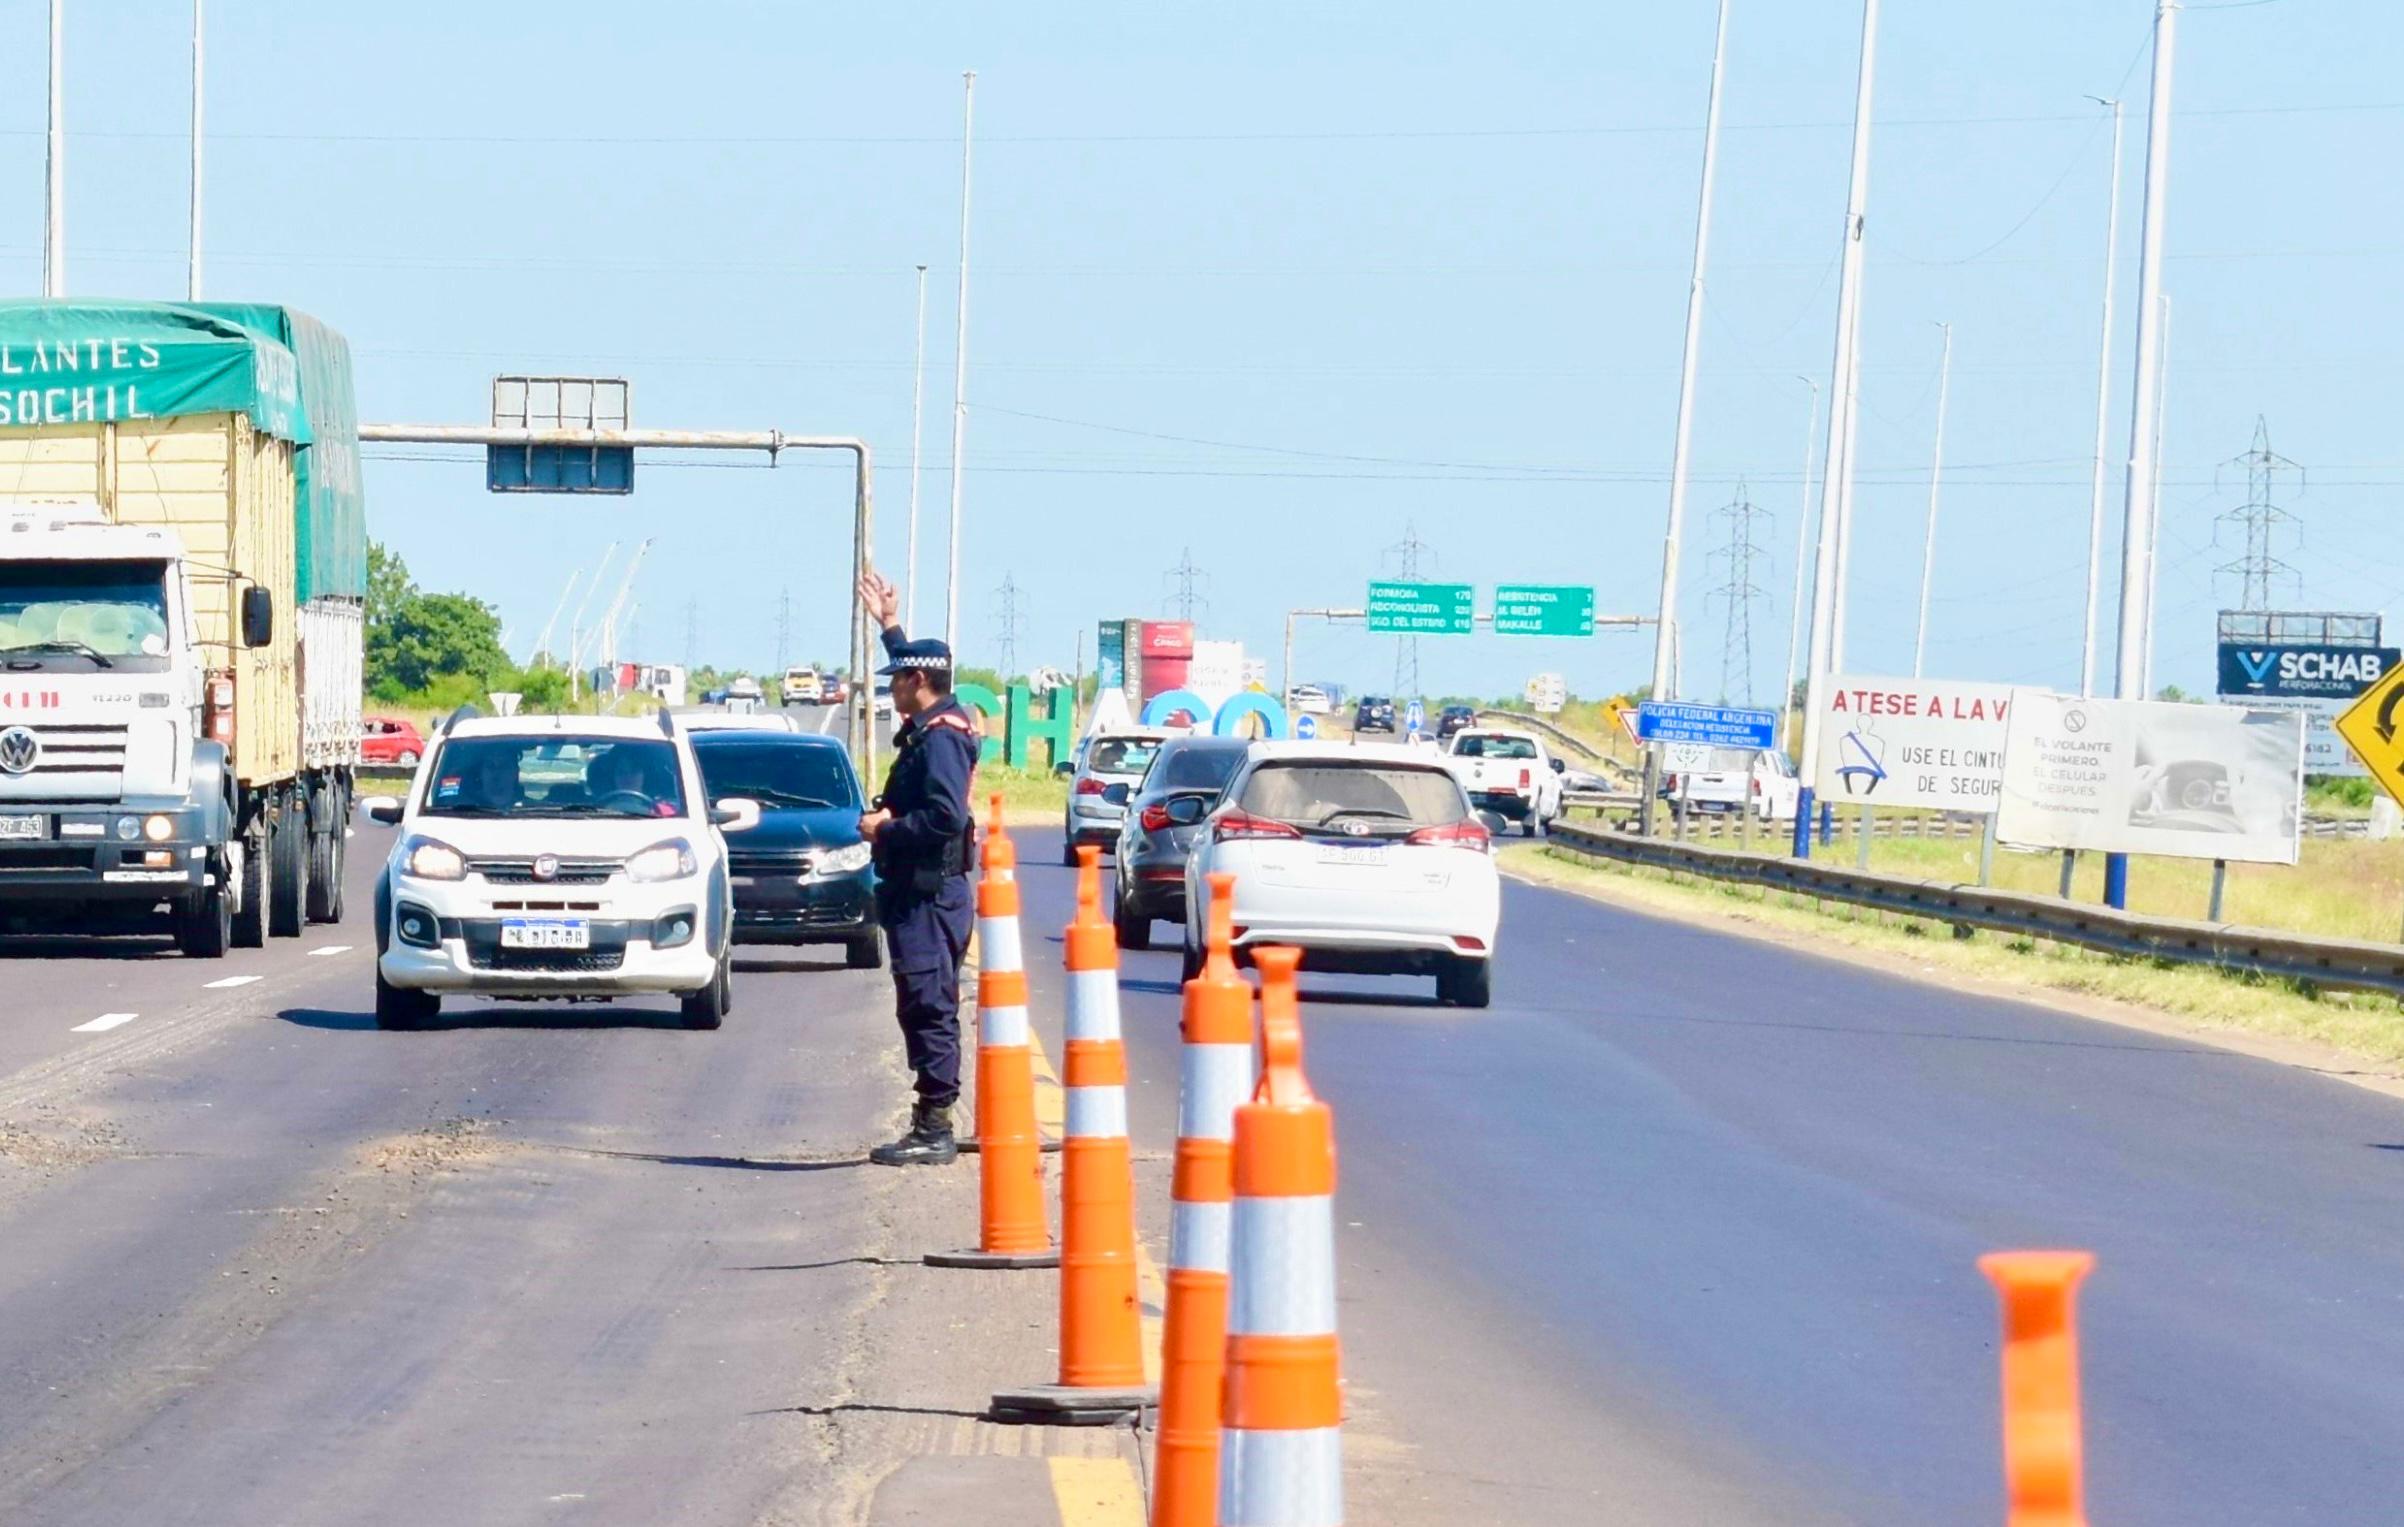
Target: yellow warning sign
2373, 727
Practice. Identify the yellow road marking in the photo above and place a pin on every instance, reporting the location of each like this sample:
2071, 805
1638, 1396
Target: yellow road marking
1097, 1492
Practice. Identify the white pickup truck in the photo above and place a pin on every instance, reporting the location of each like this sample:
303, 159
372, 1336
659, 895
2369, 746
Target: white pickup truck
1509, 773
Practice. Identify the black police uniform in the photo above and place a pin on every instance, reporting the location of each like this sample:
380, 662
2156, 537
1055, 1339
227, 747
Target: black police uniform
922, 855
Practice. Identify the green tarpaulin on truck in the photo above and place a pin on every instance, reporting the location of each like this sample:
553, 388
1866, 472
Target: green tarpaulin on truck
85, 362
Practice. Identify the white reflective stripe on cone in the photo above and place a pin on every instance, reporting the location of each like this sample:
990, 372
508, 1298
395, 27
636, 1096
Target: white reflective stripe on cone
1001, 1026
1097, 1113
1093, 1004
998, 947
1200, 1235
1285, 1268
1216, 1079
1281, 1479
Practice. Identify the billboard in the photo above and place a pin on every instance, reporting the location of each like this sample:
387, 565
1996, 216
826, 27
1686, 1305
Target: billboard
2150, 777
2299, 671
1930, 744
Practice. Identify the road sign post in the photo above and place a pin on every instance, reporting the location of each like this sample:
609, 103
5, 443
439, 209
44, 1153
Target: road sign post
1543, 609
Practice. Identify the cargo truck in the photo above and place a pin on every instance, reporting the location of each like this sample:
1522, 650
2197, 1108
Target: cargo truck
183, 567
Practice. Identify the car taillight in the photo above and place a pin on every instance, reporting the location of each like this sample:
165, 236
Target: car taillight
1090, 786
1156, 818
1458, 835
1669, 782
1237, 825
1523, 779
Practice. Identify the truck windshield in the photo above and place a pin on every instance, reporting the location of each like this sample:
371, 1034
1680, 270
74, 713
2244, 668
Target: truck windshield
553, 776
82, 612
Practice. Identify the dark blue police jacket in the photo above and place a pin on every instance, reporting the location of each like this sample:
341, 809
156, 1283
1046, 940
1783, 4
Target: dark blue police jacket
929, 837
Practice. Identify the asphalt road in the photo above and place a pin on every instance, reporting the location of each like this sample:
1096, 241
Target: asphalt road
1680, 1232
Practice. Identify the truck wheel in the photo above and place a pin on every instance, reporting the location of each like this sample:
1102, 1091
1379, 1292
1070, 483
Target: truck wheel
250, 910
204, 927
327, 852
288, 846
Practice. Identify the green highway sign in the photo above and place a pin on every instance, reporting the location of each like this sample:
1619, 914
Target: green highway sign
1423, 609
1543, 609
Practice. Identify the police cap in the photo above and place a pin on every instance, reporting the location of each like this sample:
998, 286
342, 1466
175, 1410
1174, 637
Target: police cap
926, 655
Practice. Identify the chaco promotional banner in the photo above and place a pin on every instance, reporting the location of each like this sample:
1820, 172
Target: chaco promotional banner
1929, 744
2149, 777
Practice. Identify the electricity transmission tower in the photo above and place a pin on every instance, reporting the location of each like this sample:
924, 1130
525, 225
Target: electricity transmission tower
1404, 556
784, 631
1190, 582
1007, 623
2257, 570
1737, 551
692, 634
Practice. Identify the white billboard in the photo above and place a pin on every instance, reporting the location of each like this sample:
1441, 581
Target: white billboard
2151, 777
2324, 751
1930, 744
1217, 671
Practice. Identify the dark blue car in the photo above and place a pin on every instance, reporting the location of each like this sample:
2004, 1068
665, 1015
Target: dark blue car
802, 875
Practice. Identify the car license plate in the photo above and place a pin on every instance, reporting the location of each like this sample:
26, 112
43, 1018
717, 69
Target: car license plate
530, 933
1352, 853
20, 828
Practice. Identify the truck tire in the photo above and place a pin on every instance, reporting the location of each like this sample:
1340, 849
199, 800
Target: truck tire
250, 912
327, 852
288, 846
204, 927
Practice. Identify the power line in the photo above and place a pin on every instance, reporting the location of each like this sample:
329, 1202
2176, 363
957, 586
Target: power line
2258, 517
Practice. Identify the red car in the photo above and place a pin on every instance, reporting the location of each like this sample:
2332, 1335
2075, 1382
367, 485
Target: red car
390, 740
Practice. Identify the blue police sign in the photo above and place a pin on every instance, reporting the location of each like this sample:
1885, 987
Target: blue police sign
1724, 726
1414, 717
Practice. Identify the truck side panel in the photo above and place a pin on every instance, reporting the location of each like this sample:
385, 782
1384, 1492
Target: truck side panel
332, 641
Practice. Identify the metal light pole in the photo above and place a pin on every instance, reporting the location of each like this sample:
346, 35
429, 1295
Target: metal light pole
951, 582
54, 205
2161, 428
192, 278
918, 413
2103, 415
1936, 476
2137, 526
1827, 641
1794, 620
1665, 673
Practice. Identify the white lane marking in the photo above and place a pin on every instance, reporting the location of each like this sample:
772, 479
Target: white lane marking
319, 954
226, 981
104, 1023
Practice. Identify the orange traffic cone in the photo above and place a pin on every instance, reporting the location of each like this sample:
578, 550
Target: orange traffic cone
1011, 1231
1215, 1076
2042, 1450
1101, 1323
1281, 1447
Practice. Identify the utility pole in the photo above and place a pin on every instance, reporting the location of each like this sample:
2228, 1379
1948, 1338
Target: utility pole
192, 277
951, 582
1665, 635
1936, 475
1836, 481
784, 631
1794, 619
2161, 431
1006, 626
918, 414
54, 205
2258, 519
2103, 416
1190, 581
1738, 550
2137, 525
1405, 553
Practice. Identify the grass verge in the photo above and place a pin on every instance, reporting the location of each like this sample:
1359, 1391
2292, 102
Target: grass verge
1029, 796
2360, 1024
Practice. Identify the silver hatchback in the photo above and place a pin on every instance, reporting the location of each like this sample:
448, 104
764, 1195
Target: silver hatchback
1109, 767
1151, 848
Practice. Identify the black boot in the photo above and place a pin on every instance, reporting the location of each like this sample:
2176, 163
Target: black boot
929, 1142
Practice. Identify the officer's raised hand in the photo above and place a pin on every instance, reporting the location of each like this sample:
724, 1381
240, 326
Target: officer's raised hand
880, 598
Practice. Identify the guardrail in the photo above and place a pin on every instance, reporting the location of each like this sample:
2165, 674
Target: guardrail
2347, 964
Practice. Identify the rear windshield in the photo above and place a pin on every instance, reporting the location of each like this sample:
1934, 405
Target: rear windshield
553, 776
1193, 769
794, 777
1319, 794
1121, 755
1495, 747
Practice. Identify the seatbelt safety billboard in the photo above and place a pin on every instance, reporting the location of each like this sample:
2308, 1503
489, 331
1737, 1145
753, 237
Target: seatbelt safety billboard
1925, 744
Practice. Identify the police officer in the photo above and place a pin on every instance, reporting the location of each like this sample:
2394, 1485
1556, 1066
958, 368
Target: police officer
921, 831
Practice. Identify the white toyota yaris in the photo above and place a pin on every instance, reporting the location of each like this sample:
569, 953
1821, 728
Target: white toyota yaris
568, 857
1367, 858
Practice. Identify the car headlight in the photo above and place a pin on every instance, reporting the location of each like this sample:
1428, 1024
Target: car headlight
432, 859
672, 860
845, 860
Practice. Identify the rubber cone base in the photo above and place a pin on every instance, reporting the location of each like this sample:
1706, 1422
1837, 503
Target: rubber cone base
1048, 1257
969, 1146
1063, 1405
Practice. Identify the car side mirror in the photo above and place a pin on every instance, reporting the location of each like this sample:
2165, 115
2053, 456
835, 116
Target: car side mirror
258, 617
1186, 810
382, 808
1559, 767
735, 814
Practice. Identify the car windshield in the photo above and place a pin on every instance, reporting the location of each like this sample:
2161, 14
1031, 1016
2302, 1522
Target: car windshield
83, 612
1121, 755
793, 776
1193, 769
1495, 747
1323, 793
556, 776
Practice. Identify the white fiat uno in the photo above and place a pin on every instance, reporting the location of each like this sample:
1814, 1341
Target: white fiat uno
571, 857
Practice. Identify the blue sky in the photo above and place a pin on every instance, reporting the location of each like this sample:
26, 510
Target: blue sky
1274, 283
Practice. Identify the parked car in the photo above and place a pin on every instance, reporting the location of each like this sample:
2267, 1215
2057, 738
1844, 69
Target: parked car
1109, 767
1151, 848
1375, 713
1454, 718
1509, 773
1308, 700
801, 874
1725, 779
390, 740
555, 857
1365, 857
